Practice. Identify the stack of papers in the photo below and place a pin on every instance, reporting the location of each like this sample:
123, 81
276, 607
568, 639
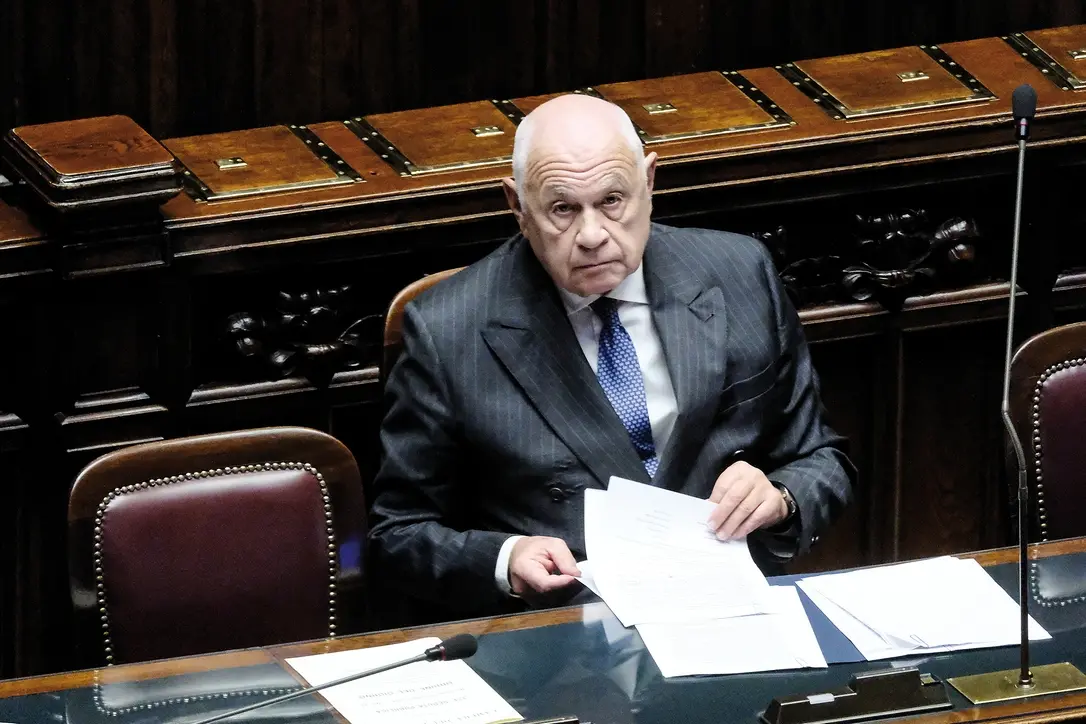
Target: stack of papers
427, 692
701, 605
928, 606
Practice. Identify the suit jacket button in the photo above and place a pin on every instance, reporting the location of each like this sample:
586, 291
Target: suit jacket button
557, 494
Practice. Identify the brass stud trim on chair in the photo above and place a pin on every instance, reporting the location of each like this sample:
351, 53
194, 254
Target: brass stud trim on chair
103, 507
100, 704
1039, 493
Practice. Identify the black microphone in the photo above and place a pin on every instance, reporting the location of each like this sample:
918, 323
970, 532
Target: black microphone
1024, 107
460, 646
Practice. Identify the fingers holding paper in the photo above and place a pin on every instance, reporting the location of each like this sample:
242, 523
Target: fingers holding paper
745, 501
540, 565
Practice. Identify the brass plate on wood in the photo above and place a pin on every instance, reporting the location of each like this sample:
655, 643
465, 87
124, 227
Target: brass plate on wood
999, 686
1059, 53
228, 163
916, 78
277, 159
447, 138
697, 105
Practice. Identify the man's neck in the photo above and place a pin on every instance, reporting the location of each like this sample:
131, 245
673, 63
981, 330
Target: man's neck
630, 289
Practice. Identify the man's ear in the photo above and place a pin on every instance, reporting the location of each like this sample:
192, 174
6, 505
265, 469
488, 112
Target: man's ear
509, 186
650, 170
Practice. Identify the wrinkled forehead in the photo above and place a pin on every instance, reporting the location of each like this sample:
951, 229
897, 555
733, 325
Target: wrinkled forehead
569, 165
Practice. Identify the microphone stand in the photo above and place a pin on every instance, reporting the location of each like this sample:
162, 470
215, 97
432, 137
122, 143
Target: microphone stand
1025, 676
1052, 678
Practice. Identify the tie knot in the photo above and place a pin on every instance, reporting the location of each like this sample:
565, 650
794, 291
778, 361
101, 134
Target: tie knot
605, 308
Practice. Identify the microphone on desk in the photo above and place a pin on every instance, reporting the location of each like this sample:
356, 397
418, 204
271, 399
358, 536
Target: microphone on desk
460, 646
1051, 678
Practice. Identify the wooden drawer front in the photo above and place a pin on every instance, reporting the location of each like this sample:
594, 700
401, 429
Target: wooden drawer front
1059, 53
258, 161
696, 105
887, 81
446, 138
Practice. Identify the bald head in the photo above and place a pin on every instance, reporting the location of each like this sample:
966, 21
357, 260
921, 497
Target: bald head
582, 192
573, 123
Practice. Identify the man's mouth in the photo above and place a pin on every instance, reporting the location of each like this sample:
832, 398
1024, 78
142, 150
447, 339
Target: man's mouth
596, 265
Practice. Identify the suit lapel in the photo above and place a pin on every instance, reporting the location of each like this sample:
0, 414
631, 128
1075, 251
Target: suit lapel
533, 338
692, 324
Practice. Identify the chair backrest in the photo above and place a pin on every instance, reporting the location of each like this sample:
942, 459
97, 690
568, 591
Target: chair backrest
1048, 408
216, 542
393, 343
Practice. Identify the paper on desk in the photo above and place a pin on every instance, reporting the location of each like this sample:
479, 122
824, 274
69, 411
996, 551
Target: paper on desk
426, 692
929, 606
654, 560
587, 577
773, 641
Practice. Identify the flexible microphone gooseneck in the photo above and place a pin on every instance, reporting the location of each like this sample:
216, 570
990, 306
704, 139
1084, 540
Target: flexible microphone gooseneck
460, 646
1024, 107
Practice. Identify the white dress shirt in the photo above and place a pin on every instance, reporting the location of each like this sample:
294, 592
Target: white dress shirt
636, 316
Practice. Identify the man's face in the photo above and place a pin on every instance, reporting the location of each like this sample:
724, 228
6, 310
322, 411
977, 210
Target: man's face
586, 213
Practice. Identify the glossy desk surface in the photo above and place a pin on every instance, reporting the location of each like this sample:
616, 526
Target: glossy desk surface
575, 661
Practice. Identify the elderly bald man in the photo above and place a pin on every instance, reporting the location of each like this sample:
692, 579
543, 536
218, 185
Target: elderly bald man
593, 343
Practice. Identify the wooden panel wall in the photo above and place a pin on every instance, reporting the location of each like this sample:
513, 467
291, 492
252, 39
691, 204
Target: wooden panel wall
205, 65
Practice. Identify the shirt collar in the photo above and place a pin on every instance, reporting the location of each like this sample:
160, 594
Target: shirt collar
630, 289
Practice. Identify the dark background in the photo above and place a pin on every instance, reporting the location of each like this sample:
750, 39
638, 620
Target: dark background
183, 67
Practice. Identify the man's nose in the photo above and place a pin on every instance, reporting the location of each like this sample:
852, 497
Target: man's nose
592, 232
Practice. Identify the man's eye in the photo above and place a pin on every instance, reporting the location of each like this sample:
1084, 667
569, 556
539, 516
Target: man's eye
611, 199
561, 209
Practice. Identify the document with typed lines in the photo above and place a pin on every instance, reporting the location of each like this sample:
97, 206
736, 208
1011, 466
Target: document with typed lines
653, 560
427, 692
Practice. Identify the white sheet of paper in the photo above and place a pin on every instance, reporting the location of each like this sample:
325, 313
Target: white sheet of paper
587, 577
929, 606
653, 558
775, 641
427, 692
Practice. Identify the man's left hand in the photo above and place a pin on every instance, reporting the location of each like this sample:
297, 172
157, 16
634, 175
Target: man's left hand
745, 501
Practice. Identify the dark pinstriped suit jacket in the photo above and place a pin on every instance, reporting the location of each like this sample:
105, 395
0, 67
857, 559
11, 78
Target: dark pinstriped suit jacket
497, 424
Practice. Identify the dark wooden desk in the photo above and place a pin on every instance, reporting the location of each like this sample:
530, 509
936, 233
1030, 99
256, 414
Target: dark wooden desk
545, 663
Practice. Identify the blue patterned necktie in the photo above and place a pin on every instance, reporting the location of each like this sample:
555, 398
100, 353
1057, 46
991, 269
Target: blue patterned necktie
620, 376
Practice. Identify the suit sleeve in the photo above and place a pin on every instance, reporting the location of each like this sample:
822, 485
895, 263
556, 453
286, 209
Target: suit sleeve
418, 543
806, 455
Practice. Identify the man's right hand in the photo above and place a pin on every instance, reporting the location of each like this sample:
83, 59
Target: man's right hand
540, 565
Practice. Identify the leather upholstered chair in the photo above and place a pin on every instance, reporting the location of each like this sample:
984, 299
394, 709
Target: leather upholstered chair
1048, 408
216, 542
393, 343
